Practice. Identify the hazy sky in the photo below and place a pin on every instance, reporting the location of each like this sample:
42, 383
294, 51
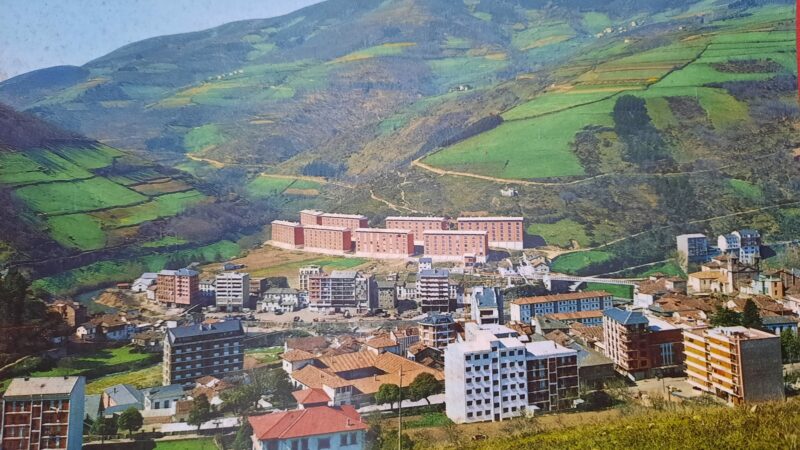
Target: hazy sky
43, 33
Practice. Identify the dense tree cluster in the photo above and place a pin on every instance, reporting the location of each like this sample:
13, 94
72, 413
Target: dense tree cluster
643, 144
25, 317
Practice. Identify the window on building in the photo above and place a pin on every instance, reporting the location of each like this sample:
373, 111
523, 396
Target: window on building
324, 443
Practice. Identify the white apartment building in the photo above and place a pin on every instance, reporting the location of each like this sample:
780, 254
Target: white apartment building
305, 273
525, 309
494, 375
233, 291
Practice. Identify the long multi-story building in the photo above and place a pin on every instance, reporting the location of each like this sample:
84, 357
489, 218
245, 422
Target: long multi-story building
437, 330
433, 291
342, 290
233, 291
43, 414
417, 225
502, 232
737, 364
287, 234
351, 221
640, 346
384, 243
327, 239
194, 351
493, 375
526, 308
455, 245
178, 287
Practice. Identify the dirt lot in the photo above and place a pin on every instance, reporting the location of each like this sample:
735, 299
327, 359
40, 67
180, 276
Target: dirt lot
268, 261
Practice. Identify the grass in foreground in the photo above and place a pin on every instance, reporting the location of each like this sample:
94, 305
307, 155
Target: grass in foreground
187, 444
693, 427
148, 377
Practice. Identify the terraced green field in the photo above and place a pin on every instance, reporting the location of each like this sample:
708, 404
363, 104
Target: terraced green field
203, 137
160, 206
65, 197
80, 231
39, 165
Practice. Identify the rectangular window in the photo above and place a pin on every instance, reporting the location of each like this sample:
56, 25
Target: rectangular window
324, 443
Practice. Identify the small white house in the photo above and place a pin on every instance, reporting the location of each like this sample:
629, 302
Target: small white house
143, 282
285, 300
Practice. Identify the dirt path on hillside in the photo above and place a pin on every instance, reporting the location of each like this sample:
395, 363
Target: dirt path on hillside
391, 205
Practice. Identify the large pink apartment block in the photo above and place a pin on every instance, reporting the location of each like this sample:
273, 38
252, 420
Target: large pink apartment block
384, 243
351, 221
327, 239
503, 232
452, 245
417, 225
178, 287
287, 234
311, 217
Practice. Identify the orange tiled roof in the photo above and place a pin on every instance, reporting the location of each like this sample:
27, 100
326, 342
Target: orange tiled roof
297, 355
314, 395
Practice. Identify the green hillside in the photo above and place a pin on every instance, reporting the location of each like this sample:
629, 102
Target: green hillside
620, 123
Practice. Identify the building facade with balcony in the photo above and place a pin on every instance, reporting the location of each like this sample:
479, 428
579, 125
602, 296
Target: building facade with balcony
178, 287
433, 291
493, 375
233, 291
437, 330
194, 351
43, 413
738, 364
342, 290
641, 346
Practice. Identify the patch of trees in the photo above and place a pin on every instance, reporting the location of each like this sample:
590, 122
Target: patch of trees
319, 168
643, 144
748, 66
25, 317
273, 384
23, 130
790, 346
749, 317
586, 147
758, 89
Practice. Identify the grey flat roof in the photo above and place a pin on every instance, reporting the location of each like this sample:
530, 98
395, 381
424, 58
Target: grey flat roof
43, 386
202, 329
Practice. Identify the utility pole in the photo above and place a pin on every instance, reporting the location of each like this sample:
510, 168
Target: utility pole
400, 411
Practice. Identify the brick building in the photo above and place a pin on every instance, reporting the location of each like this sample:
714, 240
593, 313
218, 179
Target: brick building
287, 234
384, 243
641, 347
311, 217
193, 351
503, 232
178, 287
737, 364
327, 239
351, 221
43, 413
453, 245
417, 225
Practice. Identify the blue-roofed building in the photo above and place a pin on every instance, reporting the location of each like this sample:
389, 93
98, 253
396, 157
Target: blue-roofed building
486, 305
779, 324
120, 397
193, 351
437, 330
641, 346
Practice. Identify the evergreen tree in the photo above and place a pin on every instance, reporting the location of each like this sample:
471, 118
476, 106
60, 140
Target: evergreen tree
243, 436
200, 412
751, 317
130, 420
725, 317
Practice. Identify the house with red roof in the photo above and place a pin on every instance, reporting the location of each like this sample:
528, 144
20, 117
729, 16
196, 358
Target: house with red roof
311, 428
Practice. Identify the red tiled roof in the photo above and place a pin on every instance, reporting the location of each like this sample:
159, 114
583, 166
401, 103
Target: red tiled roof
297, 355
306, 422
313, 395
